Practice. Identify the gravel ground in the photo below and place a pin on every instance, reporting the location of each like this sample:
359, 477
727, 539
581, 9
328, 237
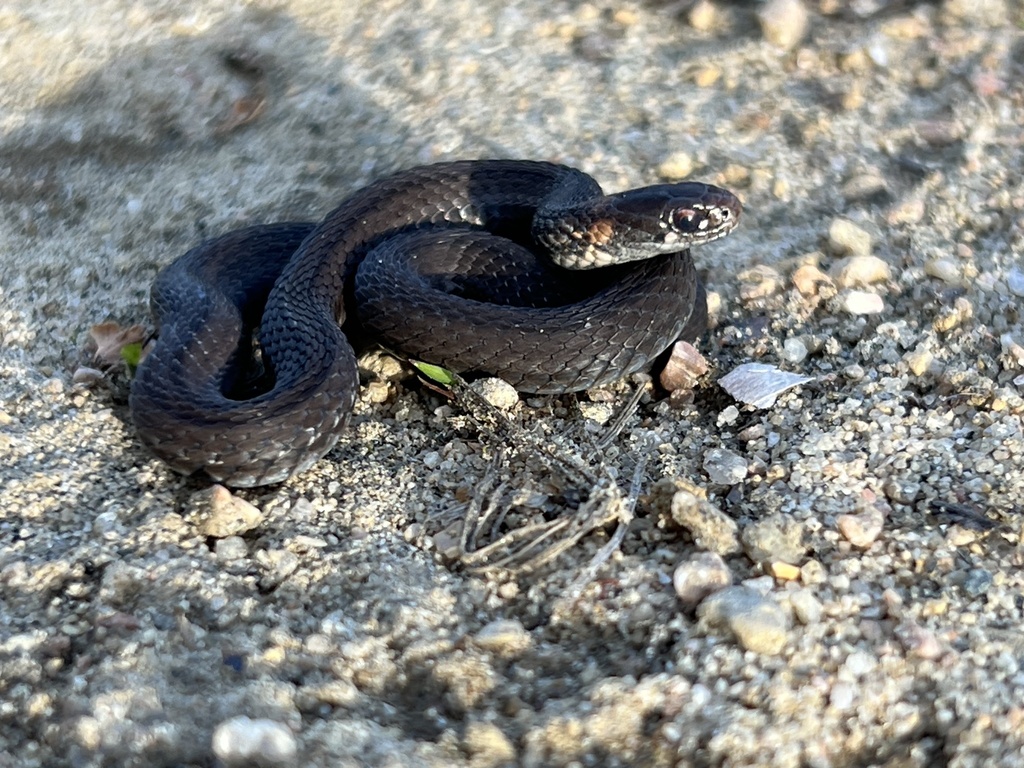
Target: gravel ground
834, 580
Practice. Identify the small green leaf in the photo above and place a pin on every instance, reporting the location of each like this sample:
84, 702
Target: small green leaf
132, 354
436, 373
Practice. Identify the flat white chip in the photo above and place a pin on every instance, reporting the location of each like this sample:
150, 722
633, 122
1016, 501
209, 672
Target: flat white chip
758, 384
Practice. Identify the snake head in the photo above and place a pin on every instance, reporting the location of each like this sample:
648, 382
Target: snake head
681, 215
639, 224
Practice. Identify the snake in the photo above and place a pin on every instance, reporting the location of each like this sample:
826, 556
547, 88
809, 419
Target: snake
522, 270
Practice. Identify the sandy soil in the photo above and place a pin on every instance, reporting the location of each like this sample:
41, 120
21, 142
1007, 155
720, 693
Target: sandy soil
869, 521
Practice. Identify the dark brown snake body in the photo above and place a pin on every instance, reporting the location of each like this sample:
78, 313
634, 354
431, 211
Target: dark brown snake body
439, 262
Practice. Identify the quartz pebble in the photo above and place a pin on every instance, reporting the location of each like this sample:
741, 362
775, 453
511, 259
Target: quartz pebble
505, 638
784, 571
497, 392
758, 623
860, 270
230, 548
845, 237
1015, 282
794, 350
725, 467
227, 515
774, 538
676, 166
918, 361
696, 578
861, 529
946, 270
862, 303
806, 607
783, 22
242, 741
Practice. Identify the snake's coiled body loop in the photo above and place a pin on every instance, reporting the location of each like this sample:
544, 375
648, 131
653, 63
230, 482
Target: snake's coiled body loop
463, 264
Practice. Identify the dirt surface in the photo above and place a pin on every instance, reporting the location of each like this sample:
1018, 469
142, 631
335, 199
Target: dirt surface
869, 521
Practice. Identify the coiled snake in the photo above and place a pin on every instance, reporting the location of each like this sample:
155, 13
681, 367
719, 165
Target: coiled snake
463, 264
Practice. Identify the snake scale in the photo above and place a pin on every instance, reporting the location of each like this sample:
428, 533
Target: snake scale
519, 269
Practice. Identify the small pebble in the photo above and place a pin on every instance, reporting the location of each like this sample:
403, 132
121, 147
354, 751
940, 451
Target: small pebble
1015, 282
488, 746
503, 637
783, 22
601, 413
226, 514
918, 361
977, 582
808, 279
806, 607
336, 693
684, 368
878, 51
760, 282
812, 572
846, 238
728, 416
696, 578
862, 303
867, 186
702, 15
855, 271
842, 696
918, 641
725, 467
758, 623
279, 565
946, 270
711, 528
230, 548
675, 167
497, 392
794, 350
242, 741
86, 377
784, 571
861, 529
778, 538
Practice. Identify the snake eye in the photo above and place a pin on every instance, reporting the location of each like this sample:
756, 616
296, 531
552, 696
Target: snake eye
689, 220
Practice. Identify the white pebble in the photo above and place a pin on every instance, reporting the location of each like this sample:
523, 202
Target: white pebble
862, 303
676, 166
946, 270
794, 350
725, 467
503, 637
845, 237
806, 607
758, 623
227, 514
243, 741
783, 22
860, 271
698, 577
842, 696
1015, 282
497, 392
